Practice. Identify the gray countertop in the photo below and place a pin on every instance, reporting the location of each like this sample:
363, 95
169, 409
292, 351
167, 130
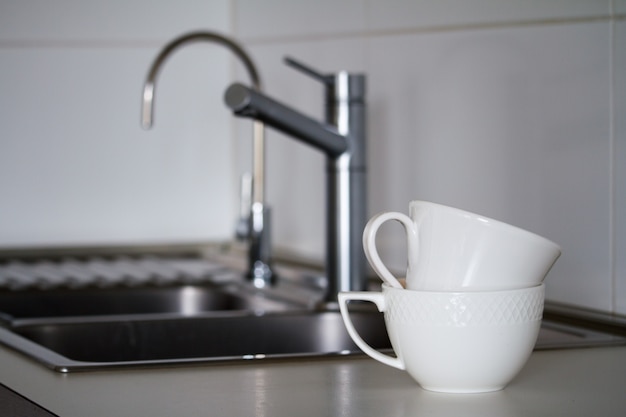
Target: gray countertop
575, 382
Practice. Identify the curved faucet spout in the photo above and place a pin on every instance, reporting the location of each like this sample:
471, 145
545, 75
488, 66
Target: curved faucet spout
258, 230
147, 112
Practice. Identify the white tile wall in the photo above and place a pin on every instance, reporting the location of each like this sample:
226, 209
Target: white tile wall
113, 20
462, 127
500, 108
75, 166
513, 109
289, 18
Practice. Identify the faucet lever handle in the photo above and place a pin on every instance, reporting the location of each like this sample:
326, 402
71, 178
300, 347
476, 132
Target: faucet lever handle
326, 79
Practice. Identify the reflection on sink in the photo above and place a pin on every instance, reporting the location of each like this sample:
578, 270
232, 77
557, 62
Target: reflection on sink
74, 346
184, 300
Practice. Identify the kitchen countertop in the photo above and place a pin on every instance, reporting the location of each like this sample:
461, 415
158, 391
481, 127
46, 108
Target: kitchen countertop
572, 382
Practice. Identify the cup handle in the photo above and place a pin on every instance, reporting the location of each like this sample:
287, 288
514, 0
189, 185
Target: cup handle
379, 299
369, 243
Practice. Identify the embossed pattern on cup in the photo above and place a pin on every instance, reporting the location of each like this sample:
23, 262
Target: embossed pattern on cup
494, 308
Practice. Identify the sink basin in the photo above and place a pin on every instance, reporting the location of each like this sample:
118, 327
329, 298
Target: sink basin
187, 300
74, 346
93, 343
198, 320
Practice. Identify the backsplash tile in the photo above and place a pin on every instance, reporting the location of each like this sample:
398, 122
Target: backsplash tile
287, 18
76, 167
115, 20
467, 122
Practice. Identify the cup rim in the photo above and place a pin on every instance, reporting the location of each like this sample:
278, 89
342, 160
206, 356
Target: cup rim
532, 288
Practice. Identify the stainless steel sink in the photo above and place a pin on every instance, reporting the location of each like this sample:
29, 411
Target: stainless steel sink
205, 319
87, 328
88, 345
128, 341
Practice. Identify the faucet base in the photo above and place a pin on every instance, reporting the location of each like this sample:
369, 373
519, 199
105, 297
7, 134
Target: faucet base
259, 269
261, 275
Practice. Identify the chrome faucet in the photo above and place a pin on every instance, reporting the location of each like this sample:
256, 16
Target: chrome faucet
257, 230
342, 139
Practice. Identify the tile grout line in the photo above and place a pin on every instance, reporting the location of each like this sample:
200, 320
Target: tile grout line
77, 44
428, 29
612, 164
154, 43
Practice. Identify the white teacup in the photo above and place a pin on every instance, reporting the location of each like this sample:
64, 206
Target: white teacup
455, 250
459, 342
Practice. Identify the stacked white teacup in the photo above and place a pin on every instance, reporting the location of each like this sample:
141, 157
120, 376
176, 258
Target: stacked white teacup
467, 317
